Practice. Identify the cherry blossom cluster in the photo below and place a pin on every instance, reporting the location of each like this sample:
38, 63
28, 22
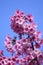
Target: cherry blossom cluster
19, 23
24, 51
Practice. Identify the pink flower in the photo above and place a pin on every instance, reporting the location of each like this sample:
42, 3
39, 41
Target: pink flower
30, 18
37, 45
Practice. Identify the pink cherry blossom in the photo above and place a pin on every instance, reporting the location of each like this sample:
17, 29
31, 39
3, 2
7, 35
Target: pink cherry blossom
24, 51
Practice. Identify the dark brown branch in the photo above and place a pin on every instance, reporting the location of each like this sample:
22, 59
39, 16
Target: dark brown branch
35, 59
14, 41
32, 45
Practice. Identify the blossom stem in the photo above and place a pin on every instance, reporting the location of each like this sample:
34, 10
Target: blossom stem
20, 36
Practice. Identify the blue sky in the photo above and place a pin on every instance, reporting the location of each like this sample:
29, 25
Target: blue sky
7, 9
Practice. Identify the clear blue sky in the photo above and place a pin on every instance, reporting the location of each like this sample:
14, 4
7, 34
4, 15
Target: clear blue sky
7, 9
